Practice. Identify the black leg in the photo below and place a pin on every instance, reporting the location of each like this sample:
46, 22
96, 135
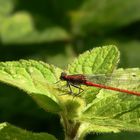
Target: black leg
69, 85
70, 89
79, 87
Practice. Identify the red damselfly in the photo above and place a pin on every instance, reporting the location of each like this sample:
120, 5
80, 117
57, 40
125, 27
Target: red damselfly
99, 81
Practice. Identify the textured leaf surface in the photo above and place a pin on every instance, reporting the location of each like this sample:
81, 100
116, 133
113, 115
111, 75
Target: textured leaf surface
115, 111
98, 60
9, 132
119, 136
101, 60
97, 110
36, 78
108, 111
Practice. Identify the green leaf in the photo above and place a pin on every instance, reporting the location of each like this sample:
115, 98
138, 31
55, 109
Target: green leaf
119, 136
36, 78
97, 61
19, 28
103, 15
9, 132
96, 110
105, 110
6, 7
116, 111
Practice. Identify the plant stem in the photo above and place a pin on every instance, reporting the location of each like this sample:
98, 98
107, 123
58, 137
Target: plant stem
70, 128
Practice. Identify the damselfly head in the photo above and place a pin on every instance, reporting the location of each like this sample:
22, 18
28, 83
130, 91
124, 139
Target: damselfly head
62, 76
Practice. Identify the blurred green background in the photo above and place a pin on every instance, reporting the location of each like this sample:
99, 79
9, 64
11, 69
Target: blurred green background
56, 32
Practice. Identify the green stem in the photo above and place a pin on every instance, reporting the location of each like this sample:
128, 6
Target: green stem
70, 128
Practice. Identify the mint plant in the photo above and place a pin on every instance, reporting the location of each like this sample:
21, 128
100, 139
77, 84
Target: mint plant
95, 110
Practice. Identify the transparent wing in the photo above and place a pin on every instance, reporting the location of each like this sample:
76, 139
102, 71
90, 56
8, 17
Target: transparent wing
117, 79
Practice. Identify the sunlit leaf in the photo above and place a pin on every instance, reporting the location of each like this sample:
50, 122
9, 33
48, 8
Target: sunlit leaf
9, 132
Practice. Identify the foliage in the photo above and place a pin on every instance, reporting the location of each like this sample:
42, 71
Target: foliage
9, 132
56, 32
96, 110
